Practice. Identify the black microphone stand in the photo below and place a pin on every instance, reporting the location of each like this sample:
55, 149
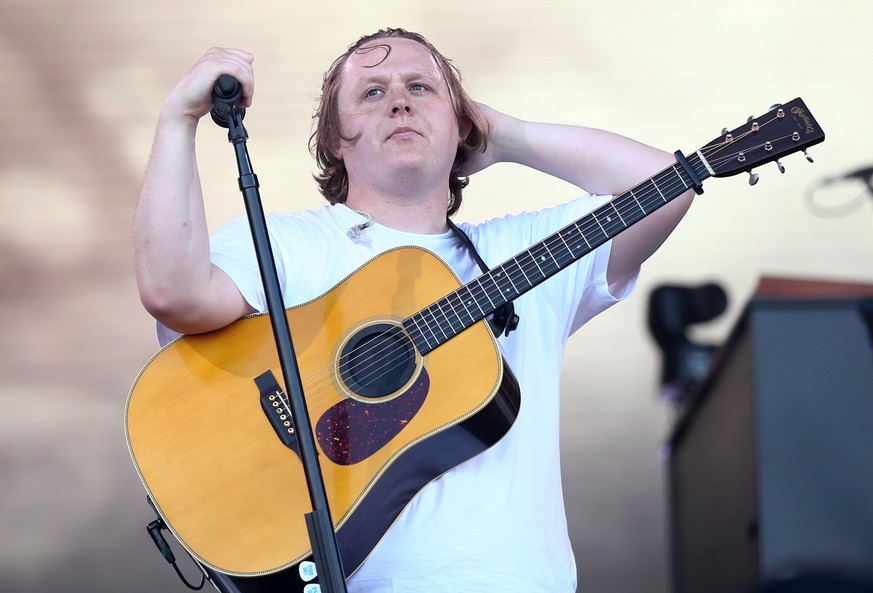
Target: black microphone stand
325, 551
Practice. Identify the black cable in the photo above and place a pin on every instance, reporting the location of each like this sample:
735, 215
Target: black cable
184, 580
154, 528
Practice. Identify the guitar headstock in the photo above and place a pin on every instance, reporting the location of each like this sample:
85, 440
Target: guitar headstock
783, 130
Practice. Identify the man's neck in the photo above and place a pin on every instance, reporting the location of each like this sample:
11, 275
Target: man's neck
423, 215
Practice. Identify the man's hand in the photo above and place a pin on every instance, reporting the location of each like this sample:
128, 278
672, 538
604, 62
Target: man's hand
192, 96
504, 133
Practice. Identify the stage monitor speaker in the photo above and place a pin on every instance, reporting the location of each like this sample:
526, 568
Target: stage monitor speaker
770, 471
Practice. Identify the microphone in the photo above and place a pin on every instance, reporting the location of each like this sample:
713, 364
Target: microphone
864, 174
225, 95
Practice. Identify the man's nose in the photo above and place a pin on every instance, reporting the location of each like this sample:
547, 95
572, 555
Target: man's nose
400, 102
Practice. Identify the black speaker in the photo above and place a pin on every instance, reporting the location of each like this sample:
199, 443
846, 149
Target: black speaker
770, 472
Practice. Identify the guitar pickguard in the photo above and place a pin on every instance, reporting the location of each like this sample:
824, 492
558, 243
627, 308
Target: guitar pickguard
350, 431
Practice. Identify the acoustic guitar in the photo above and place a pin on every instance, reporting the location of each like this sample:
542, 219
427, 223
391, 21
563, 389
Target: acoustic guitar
391, 405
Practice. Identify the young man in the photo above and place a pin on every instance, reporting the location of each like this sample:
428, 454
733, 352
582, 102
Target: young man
395, 134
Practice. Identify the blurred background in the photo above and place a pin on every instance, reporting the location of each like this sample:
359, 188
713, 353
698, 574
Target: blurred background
84, 82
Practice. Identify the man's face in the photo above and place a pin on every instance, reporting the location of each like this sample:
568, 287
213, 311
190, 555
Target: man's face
399, 110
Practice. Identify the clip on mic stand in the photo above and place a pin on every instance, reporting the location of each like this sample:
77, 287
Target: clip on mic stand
325, 552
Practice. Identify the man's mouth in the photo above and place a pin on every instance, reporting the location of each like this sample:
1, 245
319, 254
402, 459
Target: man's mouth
403, 132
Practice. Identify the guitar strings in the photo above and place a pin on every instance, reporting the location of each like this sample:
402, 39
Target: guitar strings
528, 266
384, 364
380, 364
624, 208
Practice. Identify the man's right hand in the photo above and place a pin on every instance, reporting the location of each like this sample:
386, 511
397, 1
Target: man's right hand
192, 96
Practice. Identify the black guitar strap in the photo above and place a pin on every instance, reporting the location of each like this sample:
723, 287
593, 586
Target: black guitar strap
504, 319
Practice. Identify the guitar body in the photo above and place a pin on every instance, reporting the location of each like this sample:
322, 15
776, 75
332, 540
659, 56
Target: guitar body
235, 495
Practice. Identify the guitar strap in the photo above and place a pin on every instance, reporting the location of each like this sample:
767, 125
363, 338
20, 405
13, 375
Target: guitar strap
504, 320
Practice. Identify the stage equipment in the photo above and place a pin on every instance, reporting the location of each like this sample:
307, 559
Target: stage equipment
769, 468
672, 310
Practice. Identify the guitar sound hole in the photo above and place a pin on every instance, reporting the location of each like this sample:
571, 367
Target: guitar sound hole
377, 361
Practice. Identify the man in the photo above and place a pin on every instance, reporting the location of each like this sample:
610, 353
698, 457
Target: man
395, 133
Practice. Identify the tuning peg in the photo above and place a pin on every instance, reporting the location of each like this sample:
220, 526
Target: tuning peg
808, 157
753, 178
781, 166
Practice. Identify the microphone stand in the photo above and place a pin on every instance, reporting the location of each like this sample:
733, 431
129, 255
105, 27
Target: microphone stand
319, 523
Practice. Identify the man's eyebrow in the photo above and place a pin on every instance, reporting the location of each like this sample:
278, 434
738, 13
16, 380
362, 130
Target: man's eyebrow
376, 78
405, 76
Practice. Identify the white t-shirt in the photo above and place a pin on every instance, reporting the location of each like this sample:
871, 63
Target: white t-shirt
497, 521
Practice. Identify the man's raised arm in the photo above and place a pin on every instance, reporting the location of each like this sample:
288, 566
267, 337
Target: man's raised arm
177, 283
595, 160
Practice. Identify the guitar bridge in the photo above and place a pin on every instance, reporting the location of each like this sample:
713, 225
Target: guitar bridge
274, 402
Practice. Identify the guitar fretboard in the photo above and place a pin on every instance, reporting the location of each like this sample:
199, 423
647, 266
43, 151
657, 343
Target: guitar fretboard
479, 298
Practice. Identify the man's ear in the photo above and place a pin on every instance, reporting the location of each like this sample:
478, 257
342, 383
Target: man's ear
465, 126
336, 149
339, 143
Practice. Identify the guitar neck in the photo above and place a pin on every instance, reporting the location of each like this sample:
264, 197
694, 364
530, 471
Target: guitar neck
479, 298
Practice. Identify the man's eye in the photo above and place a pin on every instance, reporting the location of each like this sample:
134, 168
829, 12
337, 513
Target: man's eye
374, 92
417, 87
